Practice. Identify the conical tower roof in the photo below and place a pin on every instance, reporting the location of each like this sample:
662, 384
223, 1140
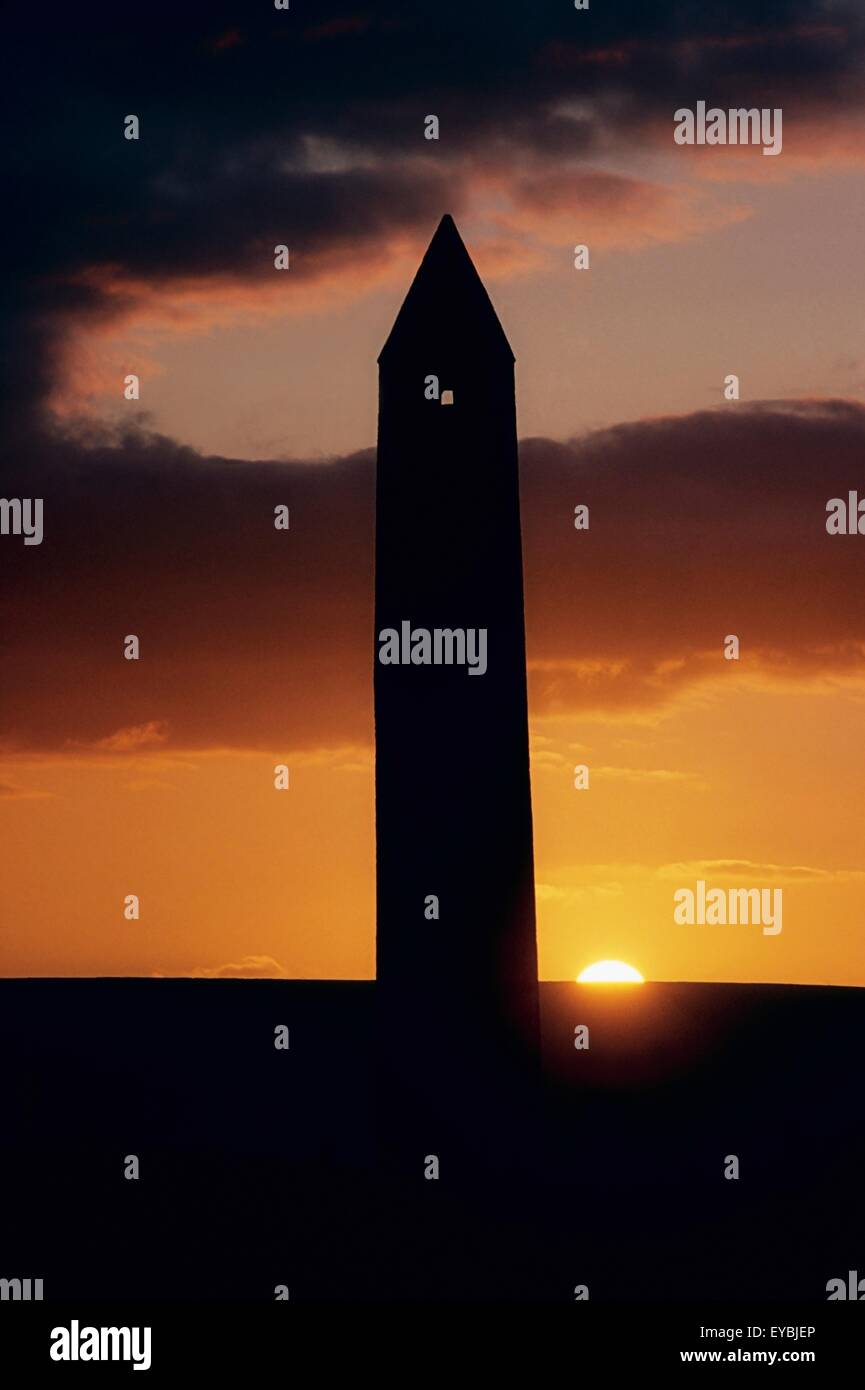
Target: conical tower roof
447, 303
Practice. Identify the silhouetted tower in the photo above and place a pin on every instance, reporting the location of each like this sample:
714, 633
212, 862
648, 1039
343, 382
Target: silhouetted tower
453, 800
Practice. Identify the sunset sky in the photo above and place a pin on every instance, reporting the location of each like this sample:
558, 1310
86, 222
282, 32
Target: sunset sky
259, 387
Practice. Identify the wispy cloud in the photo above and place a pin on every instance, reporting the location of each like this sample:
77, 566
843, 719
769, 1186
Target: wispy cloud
247, 968
12, 792
746, 870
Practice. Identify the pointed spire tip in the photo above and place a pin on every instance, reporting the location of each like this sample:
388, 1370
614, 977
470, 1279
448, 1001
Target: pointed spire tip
446, 290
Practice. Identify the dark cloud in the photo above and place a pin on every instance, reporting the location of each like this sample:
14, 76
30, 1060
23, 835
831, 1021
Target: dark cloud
230, 95
306, 126
701, 525
248, 634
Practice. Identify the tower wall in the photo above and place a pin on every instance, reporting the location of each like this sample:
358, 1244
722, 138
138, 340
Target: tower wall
458, 995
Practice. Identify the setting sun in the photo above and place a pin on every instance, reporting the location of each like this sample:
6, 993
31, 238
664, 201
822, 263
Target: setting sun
609, 972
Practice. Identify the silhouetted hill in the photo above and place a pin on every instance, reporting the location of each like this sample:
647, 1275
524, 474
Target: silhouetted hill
261, 1167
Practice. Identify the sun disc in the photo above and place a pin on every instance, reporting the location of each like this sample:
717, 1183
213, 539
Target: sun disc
609, 972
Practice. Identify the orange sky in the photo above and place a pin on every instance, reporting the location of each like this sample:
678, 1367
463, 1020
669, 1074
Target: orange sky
236, 878
689, 280
156, 778
259, 388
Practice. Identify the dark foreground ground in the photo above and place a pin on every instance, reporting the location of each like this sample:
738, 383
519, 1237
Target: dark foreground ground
261, 1167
